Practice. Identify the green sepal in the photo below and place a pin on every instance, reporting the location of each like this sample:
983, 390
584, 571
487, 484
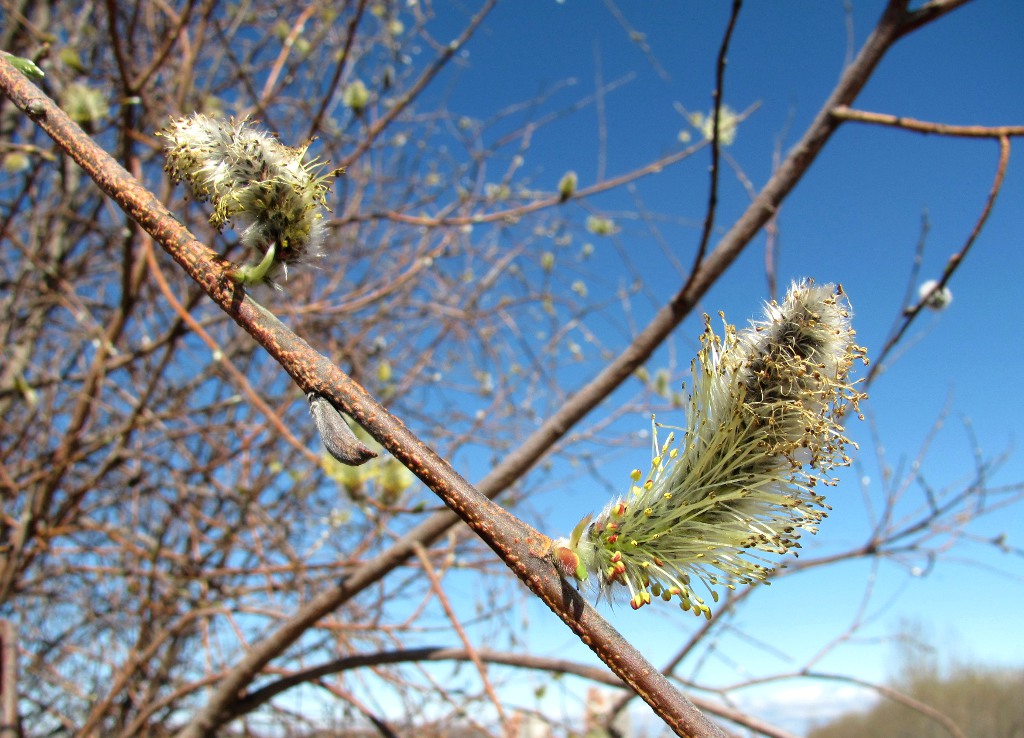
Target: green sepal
255, 274
581, 572
25, 66
577, 532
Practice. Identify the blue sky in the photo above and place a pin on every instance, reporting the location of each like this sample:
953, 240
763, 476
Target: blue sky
855, 218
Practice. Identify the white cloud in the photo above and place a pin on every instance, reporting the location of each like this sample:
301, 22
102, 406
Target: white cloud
799, 705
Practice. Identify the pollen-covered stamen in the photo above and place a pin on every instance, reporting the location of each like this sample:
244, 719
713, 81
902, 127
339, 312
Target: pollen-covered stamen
763, 430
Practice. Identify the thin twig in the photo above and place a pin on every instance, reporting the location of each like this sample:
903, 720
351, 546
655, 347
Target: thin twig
709, 217
516, 660
9, 722
419, 85
282, 56
236, 375
511, 214
442, 598
844, 112
339, 68
952, 264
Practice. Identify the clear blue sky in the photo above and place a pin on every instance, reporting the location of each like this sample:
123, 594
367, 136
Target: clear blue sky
854, 219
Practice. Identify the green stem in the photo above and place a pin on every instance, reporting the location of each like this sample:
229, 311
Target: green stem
255, 274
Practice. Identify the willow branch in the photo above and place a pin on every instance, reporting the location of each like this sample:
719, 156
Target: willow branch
521, 547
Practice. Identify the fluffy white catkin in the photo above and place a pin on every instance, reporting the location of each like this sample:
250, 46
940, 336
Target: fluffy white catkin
274, 197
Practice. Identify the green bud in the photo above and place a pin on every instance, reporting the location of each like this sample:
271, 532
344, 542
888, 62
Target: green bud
356, 96
567, 186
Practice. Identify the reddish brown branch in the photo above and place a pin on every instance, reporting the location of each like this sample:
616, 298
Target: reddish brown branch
442, 598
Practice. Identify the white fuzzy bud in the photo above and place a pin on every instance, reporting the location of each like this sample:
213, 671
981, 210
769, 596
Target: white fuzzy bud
274, 198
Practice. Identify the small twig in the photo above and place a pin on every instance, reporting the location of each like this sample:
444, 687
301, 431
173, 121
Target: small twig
926, 13
772, 246
709, 218
549, 202
896, 696
237, 376
9, 728
282, 56
339, 68
843, 112
418, 86
442, 598
951, 265
640, 39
